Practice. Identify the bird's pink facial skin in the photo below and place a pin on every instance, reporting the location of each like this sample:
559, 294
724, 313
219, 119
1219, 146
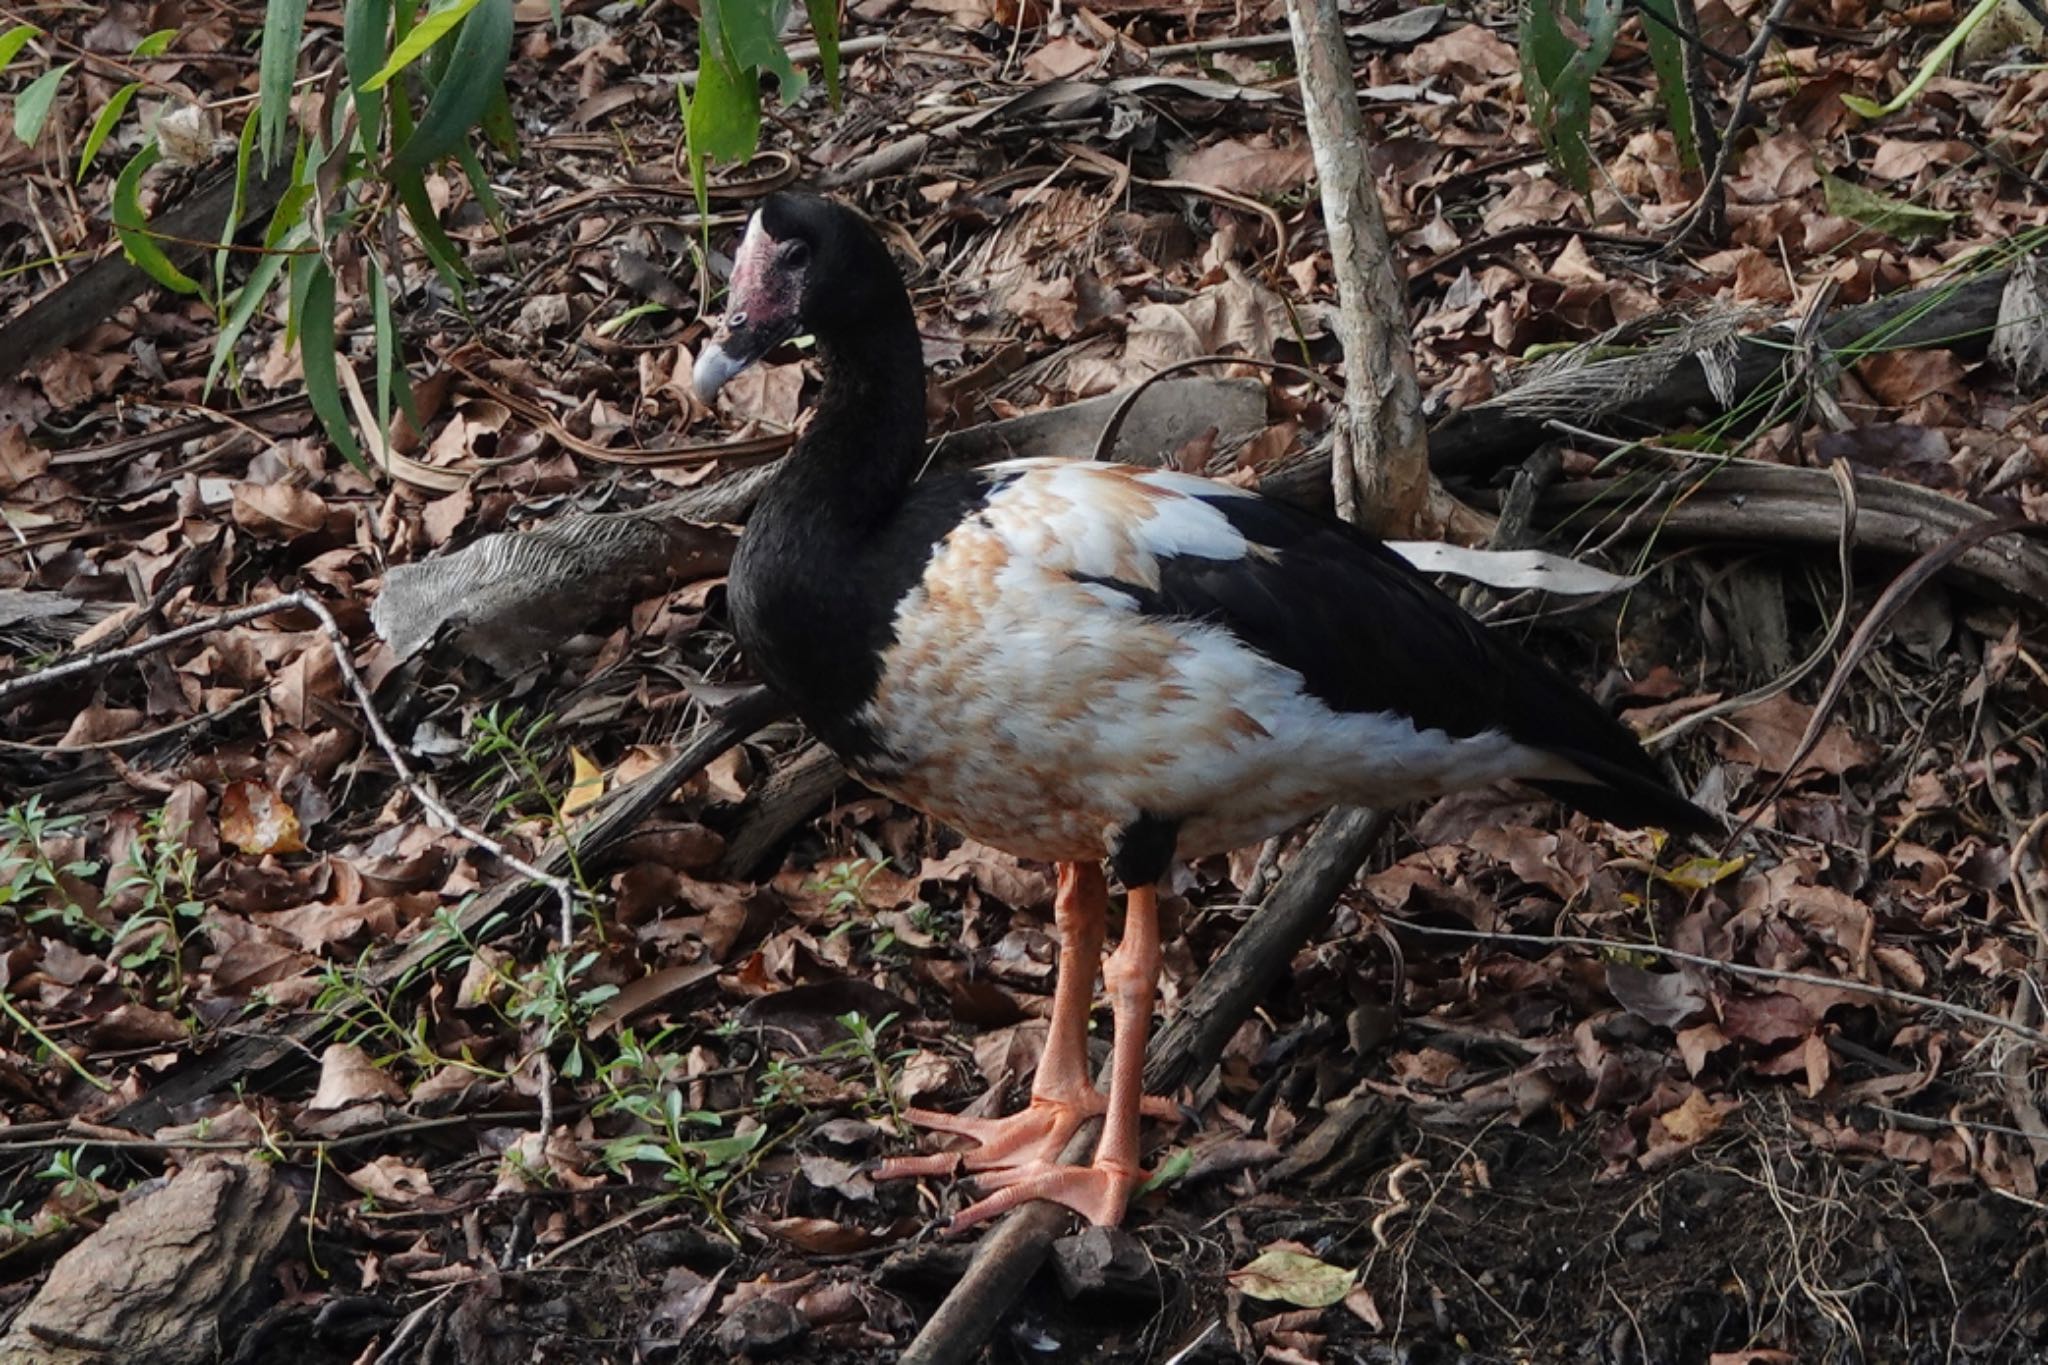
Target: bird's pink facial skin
763, 290
762, 299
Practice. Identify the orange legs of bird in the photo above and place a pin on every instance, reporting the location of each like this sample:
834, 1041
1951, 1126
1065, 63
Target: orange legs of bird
1061, 1093
1018, 1156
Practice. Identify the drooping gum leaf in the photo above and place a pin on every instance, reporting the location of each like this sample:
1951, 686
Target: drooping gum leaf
284, 22
103, 126
132, 228
1882, 212
13, 41
32, 105
476, 69
364, 24
247, 299
423, 37
825, 28
317, 354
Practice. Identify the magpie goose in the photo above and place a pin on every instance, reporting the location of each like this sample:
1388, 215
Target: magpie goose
1087, 663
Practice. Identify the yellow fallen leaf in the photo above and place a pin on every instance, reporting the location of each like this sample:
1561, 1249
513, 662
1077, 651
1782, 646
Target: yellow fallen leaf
1287, 1273
1692, 1120
586, 786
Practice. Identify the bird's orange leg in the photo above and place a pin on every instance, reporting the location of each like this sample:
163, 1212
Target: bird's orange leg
1100, 1191
1062, 1094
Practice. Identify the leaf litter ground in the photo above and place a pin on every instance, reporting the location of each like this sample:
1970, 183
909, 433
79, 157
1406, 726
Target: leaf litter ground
1422, 1147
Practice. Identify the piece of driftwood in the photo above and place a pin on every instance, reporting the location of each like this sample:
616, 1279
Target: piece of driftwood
1474, 442
90, 297
167, 1277
506, 597
1011, 1253
510, 904
1783, 505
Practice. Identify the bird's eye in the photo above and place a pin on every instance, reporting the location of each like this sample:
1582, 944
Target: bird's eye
797, 255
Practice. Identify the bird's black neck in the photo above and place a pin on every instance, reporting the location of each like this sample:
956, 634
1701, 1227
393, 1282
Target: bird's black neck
828, 551
850, 471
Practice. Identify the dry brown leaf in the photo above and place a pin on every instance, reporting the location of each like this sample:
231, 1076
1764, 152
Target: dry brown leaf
819, 1236
392, 1180
995, 872
1248, 168
347, 1076
277, 510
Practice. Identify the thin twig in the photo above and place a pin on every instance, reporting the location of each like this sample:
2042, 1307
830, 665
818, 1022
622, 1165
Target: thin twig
1849, 984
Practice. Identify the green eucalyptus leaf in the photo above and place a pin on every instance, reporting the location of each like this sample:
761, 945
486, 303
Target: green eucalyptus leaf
103, 126
476, 70
424, 35
1882, 212
247, 299
1667, 57
284, 23
131, 226
32, 105
364, 26
156, 44
13, 41
825, 28
318, 357
1934, 65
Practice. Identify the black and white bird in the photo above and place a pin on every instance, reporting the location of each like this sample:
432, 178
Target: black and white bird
1080, 662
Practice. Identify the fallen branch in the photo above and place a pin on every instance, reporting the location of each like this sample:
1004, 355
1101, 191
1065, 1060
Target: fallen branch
90, 297
1189, 1045
1473, 442
1783, 505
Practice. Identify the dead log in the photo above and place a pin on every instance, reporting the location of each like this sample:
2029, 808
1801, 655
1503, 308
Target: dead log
90, 297
1475, 442
167, 1278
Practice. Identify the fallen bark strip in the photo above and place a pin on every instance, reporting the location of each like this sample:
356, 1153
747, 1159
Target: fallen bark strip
1783, 505
514, 901
90, 297
1188, 1046
1474, 442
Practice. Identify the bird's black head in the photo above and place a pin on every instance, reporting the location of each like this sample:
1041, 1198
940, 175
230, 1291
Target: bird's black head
806, 265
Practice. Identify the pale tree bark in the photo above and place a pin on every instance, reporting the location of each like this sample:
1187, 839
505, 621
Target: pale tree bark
1380, 466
